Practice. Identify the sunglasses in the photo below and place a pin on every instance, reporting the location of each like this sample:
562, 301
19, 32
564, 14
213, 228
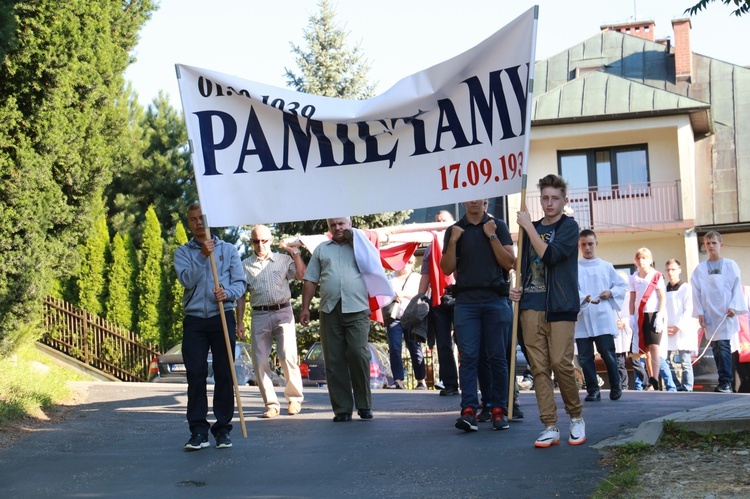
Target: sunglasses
260, 241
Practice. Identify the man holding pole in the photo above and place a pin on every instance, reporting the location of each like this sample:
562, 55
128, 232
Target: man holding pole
549, 308
203, 328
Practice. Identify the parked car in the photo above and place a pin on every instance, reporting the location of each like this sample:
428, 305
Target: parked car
313, 367
170, 368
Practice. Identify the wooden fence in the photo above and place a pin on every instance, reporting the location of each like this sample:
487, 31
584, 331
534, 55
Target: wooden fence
95, 341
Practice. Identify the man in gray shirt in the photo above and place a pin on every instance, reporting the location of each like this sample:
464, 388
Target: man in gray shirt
344, 320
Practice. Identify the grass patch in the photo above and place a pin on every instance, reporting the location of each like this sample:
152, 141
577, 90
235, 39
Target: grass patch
676, 437
623, 481
30, 384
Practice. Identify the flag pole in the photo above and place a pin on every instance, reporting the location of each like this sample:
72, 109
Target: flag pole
517, 278
230, 353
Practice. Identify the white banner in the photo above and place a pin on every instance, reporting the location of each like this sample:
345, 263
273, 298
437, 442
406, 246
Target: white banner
455, 132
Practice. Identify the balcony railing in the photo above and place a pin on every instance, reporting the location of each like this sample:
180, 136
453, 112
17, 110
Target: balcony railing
620, 206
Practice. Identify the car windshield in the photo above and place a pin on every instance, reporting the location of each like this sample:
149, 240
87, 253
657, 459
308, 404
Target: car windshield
316, 352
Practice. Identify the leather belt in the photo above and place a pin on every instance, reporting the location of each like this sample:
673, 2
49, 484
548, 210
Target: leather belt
268, 308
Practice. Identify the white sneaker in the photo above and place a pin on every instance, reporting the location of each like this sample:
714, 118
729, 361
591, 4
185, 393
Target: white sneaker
577, 431
550, 436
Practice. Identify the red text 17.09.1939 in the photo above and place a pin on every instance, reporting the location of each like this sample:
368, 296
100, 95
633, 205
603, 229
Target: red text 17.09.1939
472, 173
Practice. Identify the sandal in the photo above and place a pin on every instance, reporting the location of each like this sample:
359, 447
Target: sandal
397, 385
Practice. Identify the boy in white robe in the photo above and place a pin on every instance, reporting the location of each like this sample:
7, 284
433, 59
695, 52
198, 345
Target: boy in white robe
600, 290
682, 328
717, 299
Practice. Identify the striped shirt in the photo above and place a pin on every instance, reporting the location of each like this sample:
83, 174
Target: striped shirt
268, 279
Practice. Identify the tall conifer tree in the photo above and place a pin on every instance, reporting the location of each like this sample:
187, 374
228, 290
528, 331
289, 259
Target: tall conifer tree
61, 73
174, 307
119, 304
91, 282
150, 281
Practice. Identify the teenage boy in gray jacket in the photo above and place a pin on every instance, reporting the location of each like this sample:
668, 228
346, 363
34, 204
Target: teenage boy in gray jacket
202, 328
549, 307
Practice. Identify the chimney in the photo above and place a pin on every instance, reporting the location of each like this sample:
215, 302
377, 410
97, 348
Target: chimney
639, 29
683, 54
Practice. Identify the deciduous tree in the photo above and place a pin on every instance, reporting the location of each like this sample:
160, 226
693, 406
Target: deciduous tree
742, 6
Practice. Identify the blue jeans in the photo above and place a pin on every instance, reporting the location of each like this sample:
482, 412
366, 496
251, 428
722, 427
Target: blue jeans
723, 359
395, 347
684, 359
605, 345
666, 375
476, 323
484, 377
639, 372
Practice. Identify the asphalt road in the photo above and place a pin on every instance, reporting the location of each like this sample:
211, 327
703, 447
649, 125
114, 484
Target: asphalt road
126, 440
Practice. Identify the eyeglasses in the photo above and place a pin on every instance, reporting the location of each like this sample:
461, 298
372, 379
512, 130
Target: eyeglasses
260, 241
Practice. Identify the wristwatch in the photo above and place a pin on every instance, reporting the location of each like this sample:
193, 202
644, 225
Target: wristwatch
493, 236
295, 253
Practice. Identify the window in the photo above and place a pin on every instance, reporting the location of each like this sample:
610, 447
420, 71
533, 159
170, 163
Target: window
497, 208
598, 169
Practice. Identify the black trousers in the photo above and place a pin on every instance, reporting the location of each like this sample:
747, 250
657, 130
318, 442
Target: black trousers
199, 335
440, 323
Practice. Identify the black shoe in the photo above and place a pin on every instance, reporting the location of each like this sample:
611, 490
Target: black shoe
593, 397
485, 415
499, 419
364, 413
467, 421
341, 417
654, 383
223, 441
723, 388
449, 391
197, 441
517, 413
615, 394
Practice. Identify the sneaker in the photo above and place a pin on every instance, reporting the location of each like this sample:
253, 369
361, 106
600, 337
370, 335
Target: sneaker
439, 385
526, 382
421, 386
550, 436
485, 415
468, 420
447, 392
577, 431
499, 419
517, 413
271, 412
197, 441
723, 387
223, 441
594, 397
294, 408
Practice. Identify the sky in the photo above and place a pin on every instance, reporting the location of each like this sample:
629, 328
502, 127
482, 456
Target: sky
251, 38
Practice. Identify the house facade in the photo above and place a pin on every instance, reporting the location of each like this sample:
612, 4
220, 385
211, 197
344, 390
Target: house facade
653, 141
